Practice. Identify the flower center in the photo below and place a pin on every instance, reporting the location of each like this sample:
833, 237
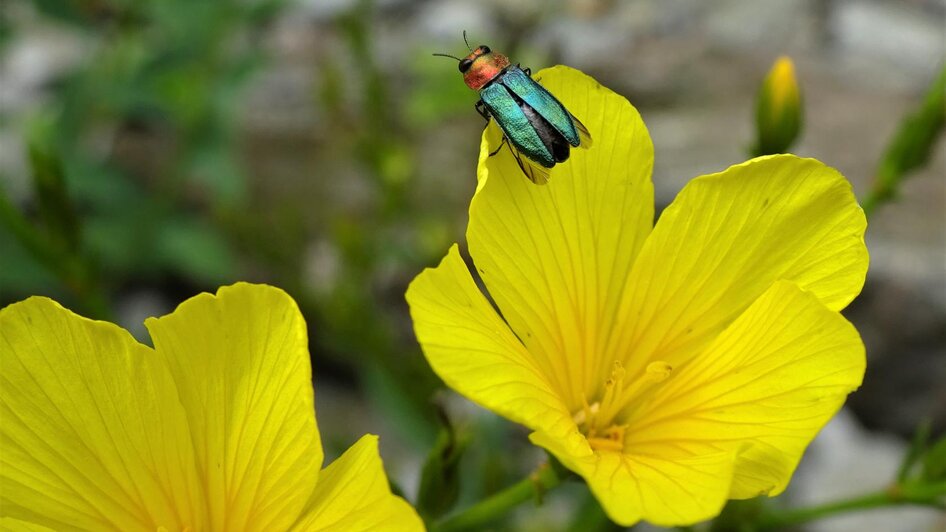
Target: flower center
597, 421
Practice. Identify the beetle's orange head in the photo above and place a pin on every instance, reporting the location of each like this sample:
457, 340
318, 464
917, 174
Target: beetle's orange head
481, 66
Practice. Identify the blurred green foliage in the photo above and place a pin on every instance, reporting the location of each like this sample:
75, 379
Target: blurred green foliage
138, 142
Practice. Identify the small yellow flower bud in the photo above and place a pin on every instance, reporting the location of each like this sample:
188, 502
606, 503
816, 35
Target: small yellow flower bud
778, 109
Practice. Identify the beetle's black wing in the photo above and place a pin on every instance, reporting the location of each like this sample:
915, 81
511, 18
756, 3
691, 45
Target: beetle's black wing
536, 173
583, 133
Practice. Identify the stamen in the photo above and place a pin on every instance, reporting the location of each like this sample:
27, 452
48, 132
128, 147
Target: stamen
613, 388
607, 444
587, 414
597, 420
658, 371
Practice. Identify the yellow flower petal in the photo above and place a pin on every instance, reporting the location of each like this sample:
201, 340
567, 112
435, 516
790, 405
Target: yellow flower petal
353, 495
241, 363
631, 487
725, 239
470, 347
767, 385
555, 257
92, 433
15, 525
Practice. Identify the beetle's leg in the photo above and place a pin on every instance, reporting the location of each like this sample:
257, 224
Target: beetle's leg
528, 71
494, 152
481, 109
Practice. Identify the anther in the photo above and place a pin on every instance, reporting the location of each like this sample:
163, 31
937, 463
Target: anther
599, 422
658, 371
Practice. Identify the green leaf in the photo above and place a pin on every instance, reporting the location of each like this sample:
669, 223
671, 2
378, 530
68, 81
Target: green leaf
934, 462
194, 249
918, 446
55, 207
911, 146
440, 478
22, 273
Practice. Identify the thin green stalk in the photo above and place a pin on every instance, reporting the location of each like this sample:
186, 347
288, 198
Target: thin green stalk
931, 494
918, 446
488, 510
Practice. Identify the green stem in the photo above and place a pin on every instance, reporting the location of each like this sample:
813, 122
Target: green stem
931, 494
473, 518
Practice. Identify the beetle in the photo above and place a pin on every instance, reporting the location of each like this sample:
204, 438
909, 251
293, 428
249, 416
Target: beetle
537, 127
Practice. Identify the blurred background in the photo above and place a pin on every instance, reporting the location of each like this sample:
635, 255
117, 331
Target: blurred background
152, 149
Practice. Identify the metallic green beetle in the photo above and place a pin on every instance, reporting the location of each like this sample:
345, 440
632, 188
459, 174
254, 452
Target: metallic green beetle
538, 128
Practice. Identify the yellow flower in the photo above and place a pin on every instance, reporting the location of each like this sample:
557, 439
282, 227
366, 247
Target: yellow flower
213, 429
672, 366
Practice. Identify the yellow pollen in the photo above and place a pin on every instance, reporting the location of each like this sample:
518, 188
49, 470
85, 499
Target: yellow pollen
597, 420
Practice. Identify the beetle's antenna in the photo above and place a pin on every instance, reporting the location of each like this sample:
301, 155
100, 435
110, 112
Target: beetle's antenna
450, 56
453, 56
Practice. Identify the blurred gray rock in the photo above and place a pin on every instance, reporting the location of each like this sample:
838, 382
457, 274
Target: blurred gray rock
846, 461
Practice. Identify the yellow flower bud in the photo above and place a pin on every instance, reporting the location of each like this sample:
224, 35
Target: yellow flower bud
778, 109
